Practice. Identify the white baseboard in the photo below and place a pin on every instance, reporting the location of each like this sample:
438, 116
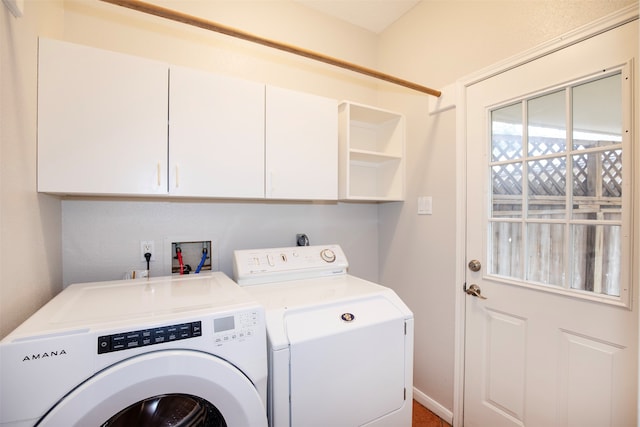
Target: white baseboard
433, 406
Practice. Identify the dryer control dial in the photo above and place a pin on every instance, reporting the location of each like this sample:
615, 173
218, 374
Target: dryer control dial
328, 255
254, 266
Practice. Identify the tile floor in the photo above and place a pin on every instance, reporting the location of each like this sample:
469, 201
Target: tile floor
422, 417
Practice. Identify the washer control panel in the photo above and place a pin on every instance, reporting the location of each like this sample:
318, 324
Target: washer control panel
225, 329
256, 266
235, 328
145, 337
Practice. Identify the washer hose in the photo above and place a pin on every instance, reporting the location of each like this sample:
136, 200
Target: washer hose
202, 260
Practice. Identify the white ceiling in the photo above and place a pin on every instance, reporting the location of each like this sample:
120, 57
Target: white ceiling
373, 15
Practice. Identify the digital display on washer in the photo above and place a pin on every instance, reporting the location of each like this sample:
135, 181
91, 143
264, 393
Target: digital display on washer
145, 337
223, 324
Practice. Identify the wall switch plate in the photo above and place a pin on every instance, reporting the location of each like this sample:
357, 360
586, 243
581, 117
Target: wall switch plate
425, 205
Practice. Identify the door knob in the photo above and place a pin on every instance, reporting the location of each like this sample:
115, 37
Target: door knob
474, 290
475, 265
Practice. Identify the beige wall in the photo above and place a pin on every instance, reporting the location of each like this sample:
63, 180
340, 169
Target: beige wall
30, 224
435, 44
112, 27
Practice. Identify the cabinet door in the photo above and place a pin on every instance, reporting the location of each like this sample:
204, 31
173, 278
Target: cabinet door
102, 121
216, 135
301, 146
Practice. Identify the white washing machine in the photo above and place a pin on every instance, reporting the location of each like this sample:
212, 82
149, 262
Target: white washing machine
169, 351
340, 347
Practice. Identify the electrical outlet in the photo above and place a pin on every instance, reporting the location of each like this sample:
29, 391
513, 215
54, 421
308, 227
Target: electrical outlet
147, 246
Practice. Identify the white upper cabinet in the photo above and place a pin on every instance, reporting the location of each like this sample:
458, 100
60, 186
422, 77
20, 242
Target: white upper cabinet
102, 121
216, 135
372, 150
115, 124
301, 146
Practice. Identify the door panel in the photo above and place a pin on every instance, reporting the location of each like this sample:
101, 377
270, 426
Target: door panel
505, 362
541, 350
579, 355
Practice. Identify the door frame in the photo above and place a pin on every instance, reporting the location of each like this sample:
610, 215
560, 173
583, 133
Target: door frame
584, 32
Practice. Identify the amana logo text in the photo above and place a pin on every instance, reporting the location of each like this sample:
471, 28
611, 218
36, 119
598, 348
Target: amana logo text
44, 355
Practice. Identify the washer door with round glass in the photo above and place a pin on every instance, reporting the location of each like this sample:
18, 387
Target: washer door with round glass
172, 388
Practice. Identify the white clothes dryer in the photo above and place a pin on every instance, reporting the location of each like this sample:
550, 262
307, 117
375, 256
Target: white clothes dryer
340, 347
169, 351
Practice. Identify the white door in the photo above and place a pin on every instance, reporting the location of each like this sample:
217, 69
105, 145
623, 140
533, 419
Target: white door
549, 202
216, 135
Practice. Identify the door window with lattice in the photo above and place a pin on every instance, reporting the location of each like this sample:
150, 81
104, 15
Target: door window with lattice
559, 206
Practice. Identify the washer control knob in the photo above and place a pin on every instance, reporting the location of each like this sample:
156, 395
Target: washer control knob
328, 255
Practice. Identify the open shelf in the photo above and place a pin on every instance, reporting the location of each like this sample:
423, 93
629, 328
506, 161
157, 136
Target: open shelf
372, 146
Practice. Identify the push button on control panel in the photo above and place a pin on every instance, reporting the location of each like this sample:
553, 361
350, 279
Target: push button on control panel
145, 337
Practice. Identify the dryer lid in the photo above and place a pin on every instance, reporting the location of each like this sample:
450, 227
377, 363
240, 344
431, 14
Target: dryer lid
343, 317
